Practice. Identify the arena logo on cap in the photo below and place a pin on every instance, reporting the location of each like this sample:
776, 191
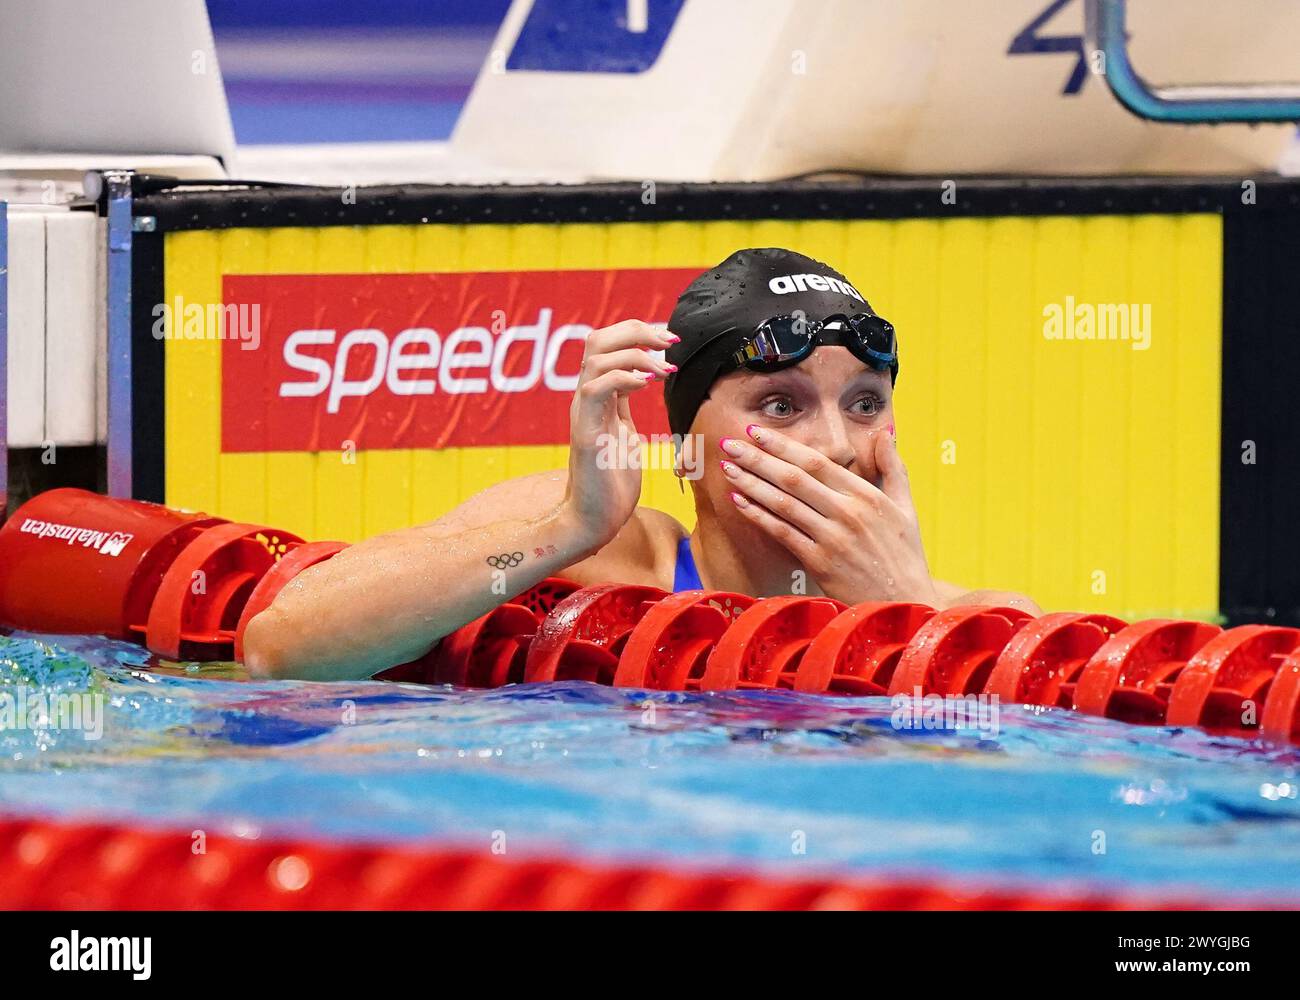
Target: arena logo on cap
787, 283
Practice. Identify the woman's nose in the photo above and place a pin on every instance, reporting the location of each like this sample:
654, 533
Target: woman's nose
830, 436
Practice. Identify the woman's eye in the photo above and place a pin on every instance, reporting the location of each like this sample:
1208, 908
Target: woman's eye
777, 406
868, 406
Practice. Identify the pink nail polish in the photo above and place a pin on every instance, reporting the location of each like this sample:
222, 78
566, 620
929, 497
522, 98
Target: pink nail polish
649, 376
753, 430
738, 500
671, 368
722, 443
674, 339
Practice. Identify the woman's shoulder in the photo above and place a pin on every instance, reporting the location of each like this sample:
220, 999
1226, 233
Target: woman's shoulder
660, 526
643, 552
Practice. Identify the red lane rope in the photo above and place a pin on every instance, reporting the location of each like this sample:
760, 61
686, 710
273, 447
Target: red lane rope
1244, 682
82, 866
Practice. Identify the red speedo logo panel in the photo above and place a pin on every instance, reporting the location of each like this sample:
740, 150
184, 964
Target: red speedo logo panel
421, 360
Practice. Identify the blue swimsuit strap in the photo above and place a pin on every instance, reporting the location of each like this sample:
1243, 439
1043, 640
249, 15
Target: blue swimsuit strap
686, 576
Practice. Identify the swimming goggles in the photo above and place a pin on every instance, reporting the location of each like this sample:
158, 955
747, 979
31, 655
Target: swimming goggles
783, 341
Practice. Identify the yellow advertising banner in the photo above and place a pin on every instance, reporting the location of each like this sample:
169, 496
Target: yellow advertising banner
1060, 378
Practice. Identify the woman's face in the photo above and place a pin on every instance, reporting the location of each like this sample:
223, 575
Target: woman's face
831, 402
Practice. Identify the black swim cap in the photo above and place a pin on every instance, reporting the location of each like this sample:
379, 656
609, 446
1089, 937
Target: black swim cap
726, 303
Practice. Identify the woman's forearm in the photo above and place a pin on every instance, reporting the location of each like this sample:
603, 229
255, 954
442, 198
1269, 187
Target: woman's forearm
387, 600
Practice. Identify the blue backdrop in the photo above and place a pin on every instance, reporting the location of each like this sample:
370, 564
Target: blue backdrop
349, 71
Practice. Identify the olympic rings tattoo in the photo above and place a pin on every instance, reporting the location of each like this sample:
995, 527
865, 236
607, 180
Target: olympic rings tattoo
507, 560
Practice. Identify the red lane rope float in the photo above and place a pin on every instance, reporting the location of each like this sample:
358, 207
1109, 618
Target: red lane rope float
954, 652
764, 646
583, 635
1281, 720
1224, 685
491, 650
668, 648
83, 866
198, 605
542, 598
1043, 660
858, 651
1131, 675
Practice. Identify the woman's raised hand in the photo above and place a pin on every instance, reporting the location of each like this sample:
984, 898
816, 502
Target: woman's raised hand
604, 485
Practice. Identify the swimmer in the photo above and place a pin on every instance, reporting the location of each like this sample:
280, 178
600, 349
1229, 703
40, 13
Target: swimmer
778, 378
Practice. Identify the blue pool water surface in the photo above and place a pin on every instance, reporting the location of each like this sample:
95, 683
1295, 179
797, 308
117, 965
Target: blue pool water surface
729, 780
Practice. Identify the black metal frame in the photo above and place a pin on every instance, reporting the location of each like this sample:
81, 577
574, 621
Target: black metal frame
852, 198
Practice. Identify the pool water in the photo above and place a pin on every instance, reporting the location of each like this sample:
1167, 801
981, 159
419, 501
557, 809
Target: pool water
777, 782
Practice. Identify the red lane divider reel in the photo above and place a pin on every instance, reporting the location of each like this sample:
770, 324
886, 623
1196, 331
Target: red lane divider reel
764, 646
491, 650
954, 652
669, 647
582, 637
78, 563
1043, 660
1224, 685
1131, 676
858, 651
